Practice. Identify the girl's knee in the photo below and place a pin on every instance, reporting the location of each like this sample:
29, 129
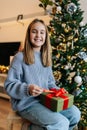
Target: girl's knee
76, 114
57, 121
65, 122
61, 124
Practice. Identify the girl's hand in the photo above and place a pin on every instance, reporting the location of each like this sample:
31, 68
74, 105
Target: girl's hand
35, 90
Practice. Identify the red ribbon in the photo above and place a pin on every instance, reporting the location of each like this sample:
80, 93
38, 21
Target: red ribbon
56, 93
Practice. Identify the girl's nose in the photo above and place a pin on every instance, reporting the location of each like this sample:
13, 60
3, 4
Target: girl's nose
38, 34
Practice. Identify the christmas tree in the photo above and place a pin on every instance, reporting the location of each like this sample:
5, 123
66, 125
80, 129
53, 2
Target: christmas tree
68, 35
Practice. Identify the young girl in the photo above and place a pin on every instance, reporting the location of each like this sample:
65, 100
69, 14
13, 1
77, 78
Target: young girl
29, 74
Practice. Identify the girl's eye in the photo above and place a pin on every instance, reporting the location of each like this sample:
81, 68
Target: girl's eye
42, 32
33, 31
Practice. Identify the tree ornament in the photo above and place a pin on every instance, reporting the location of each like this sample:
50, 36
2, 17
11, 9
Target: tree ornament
75, 39
85, 79
85, 33
70, 38
66, 30
68, 57
78, 79
63, 25
58, 40
57, 75
72, 45
77, 91
68, 66
83, 56
82, 87
59, 8
68, 44
71, 8
62, 47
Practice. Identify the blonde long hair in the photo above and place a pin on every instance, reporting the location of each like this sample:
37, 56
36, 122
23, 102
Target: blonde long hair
45, 49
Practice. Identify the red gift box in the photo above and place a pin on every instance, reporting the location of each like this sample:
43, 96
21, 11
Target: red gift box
57, 100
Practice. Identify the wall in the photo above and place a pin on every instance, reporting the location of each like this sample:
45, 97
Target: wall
84, 8
15, 31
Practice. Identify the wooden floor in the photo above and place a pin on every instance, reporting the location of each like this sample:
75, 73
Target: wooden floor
5, 108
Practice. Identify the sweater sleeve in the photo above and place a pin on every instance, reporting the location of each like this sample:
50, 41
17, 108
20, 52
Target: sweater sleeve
51, 80
14, 85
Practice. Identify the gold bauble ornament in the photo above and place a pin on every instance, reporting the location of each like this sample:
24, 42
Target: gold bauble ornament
75, 39
57, 75
68, 57
58, 55
64, 39
62, 47
70, 38
84, 70
66, 30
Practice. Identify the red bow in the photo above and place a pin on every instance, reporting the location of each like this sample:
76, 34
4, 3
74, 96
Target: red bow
56, 92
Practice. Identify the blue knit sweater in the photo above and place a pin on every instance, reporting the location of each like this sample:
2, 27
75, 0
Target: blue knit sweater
19, 77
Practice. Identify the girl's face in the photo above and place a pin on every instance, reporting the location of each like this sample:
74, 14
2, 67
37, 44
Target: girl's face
37, 35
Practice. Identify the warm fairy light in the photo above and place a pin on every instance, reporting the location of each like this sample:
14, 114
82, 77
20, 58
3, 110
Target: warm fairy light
4, 69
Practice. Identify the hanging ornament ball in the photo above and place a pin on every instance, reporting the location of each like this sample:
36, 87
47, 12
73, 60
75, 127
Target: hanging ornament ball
78, 79
59, 8
71, 8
